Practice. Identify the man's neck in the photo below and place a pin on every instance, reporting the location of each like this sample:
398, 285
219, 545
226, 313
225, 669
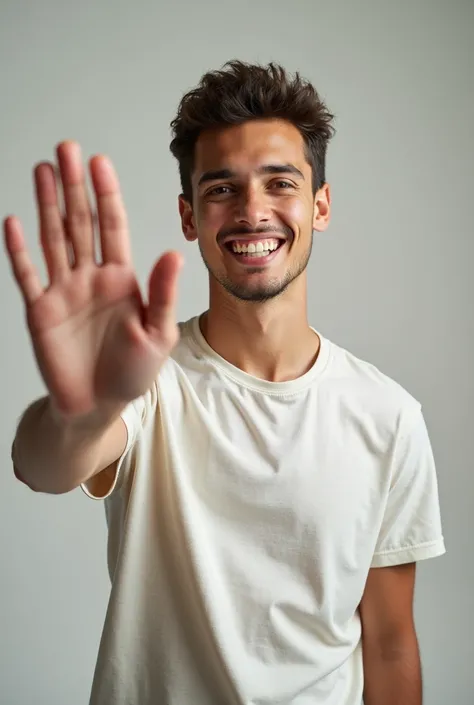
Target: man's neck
271, 340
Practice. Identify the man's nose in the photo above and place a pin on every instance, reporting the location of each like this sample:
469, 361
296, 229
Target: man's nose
252, 208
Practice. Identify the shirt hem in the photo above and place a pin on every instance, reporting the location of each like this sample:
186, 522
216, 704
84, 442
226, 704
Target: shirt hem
409, 554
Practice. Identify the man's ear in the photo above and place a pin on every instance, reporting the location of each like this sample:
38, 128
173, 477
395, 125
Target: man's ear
188, 225
322, 208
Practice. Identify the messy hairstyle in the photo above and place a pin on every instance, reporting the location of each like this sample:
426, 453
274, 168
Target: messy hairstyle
240, 92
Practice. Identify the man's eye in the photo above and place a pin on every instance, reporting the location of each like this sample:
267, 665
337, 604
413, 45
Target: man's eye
283, 184
219, 190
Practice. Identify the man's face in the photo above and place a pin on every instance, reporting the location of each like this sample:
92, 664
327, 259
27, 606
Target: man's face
253, 210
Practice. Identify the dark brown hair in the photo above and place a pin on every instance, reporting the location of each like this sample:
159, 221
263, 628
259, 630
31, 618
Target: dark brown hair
240, 92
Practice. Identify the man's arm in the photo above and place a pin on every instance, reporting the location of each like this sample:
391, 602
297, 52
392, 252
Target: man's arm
97, 345
55, 457
392, 667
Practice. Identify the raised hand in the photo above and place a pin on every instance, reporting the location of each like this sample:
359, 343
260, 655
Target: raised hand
97, 343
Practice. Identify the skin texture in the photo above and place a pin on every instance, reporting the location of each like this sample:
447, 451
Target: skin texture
392, 667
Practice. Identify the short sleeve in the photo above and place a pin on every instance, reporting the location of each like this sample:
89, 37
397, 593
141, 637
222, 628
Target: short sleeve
411, 528
133, 416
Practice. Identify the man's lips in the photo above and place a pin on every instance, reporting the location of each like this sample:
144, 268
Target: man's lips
245, 239
242, 237
253, 259
245, 235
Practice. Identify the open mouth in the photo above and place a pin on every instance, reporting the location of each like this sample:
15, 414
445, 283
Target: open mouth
256, 250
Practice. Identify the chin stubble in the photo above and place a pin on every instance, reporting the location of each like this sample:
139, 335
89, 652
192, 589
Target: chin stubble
262, 294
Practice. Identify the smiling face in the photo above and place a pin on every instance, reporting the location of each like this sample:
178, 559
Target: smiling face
253, 210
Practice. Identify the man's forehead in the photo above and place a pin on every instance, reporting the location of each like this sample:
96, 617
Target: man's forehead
250, 145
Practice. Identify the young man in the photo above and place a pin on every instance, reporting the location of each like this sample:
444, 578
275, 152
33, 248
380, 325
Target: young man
267, 493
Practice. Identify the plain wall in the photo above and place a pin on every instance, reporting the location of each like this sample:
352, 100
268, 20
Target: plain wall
391, 279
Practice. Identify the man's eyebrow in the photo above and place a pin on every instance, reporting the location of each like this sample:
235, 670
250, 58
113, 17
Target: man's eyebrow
217, 174
280, 169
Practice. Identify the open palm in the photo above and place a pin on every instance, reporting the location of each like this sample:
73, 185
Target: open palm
98, 345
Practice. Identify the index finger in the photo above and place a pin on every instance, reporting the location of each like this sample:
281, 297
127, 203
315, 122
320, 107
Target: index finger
111, 212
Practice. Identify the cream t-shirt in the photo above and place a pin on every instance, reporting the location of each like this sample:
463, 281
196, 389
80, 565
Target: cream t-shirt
243, 520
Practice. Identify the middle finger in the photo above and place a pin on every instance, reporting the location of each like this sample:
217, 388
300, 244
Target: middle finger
78, 211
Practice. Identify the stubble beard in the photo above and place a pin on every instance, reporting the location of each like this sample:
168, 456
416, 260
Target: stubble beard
265, 292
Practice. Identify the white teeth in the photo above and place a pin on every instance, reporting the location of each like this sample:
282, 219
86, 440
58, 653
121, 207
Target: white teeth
256, 248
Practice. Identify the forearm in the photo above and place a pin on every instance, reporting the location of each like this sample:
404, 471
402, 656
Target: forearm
393, 676
53, 456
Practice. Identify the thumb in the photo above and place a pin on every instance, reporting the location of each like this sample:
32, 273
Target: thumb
160, 316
